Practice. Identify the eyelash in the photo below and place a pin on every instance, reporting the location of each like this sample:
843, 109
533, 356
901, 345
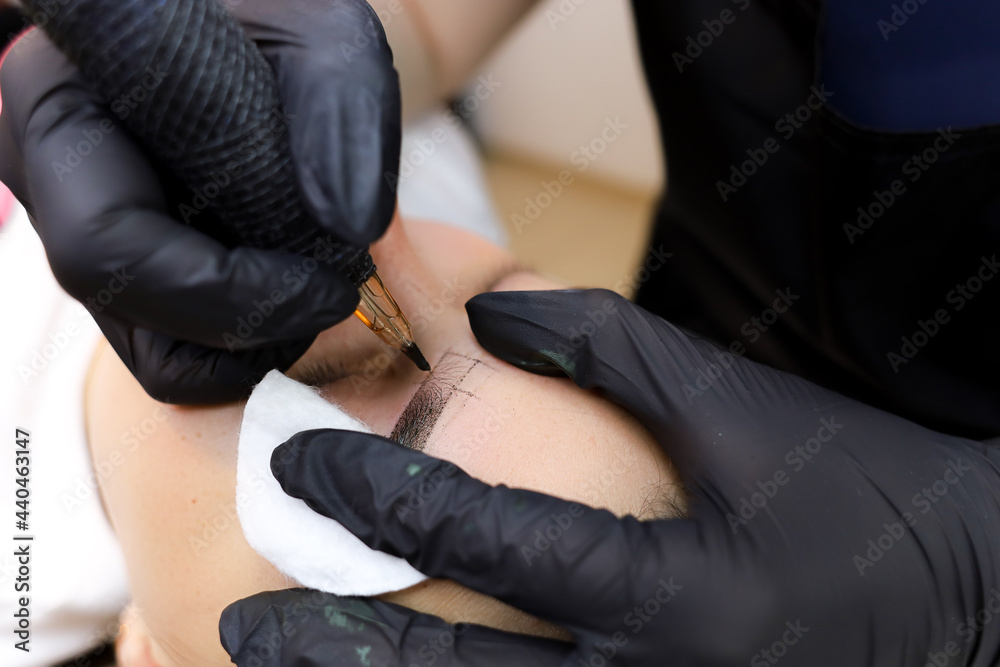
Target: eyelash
321, 372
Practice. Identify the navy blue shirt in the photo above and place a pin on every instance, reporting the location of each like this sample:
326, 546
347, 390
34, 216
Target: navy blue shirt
843, 158
914, 64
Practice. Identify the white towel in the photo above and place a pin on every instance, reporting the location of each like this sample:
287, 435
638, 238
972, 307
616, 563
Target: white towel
316, 551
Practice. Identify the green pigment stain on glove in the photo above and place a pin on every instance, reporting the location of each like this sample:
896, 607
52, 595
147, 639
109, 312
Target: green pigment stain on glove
338, 618
562, 360
521, 504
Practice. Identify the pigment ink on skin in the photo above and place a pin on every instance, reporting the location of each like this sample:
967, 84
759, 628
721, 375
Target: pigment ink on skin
414, 426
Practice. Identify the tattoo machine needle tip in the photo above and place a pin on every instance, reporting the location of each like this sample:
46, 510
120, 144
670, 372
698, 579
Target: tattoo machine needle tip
378, 310
416, 356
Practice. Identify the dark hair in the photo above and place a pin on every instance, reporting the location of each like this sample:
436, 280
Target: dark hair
664, 500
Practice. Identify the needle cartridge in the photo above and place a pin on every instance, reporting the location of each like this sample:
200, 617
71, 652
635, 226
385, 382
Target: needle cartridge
379, 312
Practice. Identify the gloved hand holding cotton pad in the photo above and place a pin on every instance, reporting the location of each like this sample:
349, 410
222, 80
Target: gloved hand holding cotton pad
316, 551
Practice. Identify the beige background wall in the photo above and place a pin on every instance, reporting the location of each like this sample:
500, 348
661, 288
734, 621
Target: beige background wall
569, 74
565, 70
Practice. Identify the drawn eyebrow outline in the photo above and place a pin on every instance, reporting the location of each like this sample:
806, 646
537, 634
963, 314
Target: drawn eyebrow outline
417, 420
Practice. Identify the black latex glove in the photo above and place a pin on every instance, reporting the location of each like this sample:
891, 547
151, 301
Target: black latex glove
306, 628
820, 531
162, 292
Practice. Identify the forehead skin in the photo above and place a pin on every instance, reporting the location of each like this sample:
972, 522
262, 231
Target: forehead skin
171, 495
506, 426
502, 424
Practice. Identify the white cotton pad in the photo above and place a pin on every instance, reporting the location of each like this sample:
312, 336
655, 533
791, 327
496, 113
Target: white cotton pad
316, 551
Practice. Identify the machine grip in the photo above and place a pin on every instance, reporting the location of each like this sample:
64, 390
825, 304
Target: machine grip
210, 112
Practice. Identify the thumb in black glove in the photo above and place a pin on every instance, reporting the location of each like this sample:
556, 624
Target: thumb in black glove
196, 321
821, 531
306, 628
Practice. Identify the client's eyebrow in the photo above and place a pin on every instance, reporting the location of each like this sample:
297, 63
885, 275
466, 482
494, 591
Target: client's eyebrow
418, 418
507, 269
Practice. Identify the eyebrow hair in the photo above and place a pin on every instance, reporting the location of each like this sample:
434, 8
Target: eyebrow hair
415, 423
419, 416
505, 270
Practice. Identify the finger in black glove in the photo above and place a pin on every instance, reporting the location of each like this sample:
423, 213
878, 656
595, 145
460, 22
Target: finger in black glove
306, 628
119, 241
821, 531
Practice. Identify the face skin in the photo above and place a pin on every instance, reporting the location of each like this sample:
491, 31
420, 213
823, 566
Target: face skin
171, 495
